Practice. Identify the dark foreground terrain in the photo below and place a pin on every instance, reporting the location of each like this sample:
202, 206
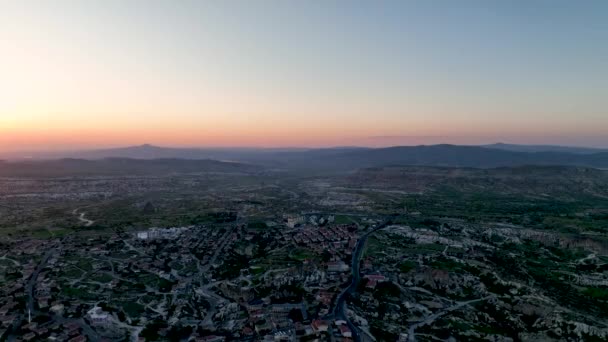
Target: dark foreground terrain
213, 251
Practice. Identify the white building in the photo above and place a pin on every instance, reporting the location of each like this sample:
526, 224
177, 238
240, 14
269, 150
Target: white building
98, 316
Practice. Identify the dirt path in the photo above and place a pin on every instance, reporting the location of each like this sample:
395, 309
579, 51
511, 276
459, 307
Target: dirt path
82, 218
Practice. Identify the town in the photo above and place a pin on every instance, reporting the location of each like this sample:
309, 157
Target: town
313, 260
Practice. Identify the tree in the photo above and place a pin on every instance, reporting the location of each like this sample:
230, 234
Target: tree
295, 315
326, 256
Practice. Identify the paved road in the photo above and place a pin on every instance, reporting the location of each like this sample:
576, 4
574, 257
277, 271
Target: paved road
86, 329
224, 240
29, 291
213, 298
339, 311
29, 288
411, 332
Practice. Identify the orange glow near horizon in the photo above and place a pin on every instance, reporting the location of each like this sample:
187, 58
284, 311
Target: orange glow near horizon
60, 133
87, 74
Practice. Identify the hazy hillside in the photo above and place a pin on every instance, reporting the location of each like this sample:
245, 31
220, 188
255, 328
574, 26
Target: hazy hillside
157, 152
351, 158
527, 180
117, 166
444, 155
545, 148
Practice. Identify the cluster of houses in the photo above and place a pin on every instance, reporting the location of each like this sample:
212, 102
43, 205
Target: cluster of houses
319, 239
271, 322
95, 267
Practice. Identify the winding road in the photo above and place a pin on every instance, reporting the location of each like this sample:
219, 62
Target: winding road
86, 329
411, 332
339, 311
29, 288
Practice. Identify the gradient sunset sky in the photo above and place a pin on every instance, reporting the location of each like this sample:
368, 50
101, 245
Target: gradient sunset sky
85, 74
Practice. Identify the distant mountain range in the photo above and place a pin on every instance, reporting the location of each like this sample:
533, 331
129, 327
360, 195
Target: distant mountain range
545, 148
350, 158
156, 152
450, 155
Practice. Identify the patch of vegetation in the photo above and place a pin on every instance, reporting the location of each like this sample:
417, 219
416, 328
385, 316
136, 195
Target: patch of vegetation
154, 281
41, 234
386, 290
435, 247
255, 270
84, 264
102, 277
77, 293
342, 219
132, 309
448, 265
407, 266
258, 225
218, 217
381, 333
493, 285
596, 293
71, 272
301, 254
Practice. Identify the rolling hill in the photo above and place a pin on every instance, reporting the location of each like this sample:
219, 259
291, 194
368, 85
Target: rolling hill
118, 167
351, 158
441, 155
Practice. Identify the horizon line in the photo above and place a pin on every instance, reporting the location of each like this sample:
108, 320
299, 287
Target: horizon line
14, 153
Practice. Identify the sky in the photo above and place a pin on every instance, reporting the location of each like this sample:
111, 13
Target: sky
87, 74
